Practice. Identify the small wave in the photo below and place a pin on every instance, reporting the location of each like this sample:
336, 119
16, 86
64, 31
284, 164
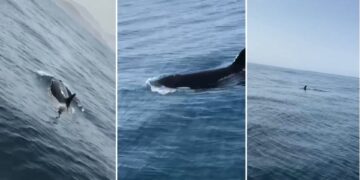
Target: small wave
259, 99
319, 90
314, 89
43, 73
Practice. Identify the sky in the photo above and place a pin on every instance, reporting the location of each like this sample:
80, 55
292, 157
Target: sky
314, 35
103, 11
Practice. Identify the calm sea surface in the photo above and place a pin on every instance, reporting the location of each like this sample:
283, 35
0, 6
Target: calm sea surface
297, 134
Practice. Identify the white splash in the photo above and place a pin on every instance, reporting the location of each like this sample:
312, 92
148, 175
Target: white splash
163, 90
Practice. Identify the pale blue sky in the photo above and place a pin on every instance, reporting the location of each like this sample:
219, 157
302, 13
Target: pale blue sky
315, 35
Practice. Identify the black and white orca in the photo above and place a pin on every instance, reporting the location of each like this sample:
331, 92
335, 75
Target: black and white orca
204, 79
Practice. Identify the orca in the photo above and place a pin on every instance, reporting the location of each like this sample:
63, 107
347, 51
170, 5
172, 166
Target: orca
204, 79
62, 94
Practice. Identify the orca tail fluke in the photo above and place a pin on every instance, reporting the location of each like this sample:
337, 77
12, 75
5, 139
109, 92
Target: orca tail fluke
69, 100
239, 63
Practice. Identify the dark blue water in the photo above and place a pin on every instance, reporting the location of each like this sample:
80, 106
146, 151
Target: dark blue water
36, 37
184, 134
297, 134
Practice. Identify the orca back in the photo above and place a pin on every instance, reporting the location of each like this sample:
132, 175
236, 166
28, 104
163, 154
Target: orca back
204, 79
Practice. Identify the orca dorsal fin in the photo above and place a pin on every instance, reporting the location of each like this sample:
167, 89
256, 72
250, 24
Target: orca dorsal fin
239, 63
69, 100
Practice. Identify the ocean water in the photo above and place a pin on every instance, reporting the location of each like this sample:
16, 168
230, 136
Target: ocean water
297, 134
183, 134
37, 40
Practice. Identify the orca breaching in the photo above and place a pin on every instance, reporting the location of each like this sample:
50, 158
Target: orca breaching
62, 94
204, 79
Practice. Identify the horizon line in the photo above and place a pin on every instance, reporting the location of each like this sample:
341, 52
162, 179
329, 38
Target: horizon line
358, 75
